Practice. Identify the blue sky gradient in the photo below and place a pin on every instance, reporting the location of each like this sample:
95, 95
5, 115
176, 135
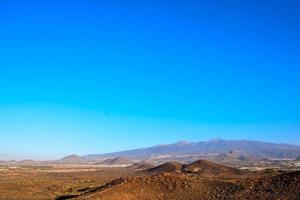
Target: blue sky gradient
100, 76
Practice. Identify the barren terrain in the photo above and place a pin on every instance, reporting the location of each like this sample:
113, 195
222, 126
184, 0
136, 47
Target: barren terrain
38, 183
198, 180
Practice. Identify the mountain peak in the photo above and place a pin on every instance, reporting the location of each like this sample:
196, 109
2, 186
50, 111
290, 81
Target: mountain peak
72, 158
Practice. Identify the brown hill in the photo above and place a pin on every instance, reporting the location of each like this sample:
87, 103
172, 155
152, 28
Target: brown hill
234, 156
117, 161
141, 166
208, 167
72, 159
28, 162
174, 186
166, 167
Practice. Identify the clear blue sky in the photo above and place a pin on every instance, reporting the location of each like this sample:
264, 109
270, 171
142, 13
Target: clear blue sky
100, 76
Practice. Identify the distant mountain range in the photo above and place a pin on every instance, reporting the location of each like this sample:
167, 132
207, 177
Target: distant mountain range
249, 148
219, 150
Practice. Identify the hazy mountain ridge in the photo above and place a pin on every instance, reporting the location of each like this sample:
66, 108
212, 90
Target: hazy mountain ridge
226, 151
217, 146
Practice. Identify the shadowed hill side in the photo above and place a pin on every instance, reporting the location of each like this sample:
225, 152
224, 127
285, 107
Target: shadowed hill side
298, 158
141, 166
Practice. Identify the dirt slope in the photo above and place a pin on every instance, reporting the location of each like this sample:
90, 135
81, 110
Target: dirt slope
117, 161
166, 167
141, 166
208, 167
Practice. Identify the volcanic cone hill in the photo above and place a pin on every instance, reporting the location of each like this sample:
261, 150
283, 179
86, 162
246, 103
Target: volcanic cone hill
208, 167
141, 166
166, 167
73, 159
117, 161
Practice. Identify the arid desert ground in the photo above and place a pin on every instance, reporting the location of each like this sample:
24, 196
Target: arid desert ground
201, 179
